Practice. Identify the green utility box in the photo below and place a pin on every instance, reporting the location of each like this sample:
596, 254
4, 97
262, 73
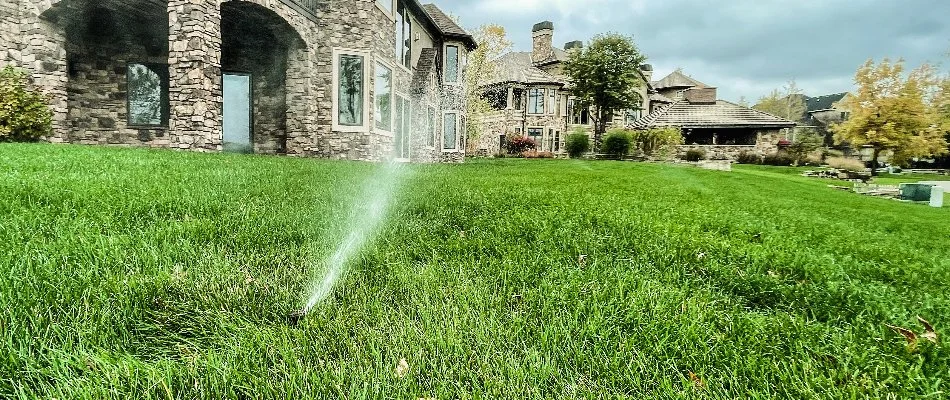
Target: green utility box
915, 192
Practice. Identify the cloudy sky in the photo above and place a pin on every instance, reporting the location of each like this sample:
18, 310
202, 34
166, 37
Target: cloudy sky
745, 47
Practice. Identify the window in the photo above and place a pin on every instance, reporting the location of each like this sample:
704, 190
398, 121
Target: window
401, 130
579, 115
550, 141
552, 101
535, 101
557, 141
432, 128
451, 64
450, 131
386, 6
517, 98
148, 95
536, 134
384, 95
404, 37
349, 90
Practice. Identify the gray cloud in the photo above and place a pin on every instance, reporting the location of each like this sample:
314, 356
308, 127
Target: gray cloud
745, 47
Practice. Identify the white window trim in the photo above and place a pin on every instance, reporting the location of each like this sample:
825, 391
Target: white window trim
390, 14
460, 79
458, 133
552, 94
392, 93
367, 72
544, 100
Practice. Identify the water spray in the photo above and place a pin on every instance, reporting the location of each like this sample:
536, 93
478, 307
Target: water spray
367, 216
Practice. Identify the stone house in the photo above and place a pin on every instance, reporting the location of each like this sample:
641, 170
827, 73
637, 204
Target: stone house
342, 79
723, 130
529, 95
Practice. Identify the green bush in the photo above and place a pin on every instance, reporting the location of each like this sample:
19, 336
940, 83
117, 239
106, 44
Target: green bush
24, 113
779, 160
695, 155
617, 143
577, 143
657, 142
748, 158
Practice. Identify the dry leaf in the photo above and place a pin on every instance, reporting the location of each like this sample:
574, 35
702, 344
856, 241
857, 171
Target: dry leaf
462, 234
697, 381
701, 256
929, 332
402, 369
907, 333
582, 260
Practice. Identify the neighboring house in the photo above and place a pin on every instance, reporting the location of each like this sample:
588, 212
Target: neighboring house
720, 128
343, 79
530, 97
823, 111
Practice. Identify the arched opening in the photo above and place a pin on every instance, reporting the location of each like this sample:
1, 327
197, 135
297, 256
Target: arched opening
117, 69
259, 57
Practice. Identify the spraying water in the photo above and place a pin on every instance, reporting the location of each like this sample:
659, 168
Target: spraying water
367, 216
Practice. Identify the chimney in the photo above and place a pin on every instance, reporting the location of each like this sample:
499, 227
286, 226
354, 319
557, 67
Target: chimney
575, 45
647, 70
543, 49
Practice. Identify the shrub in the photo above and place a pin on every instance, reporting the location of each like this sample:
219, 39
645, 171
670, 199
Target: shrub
617, 143
659, 142
778, 160
748, 158
537, 154
24, 113
577, 143
519, 144
695, 155
807, 141
845, 164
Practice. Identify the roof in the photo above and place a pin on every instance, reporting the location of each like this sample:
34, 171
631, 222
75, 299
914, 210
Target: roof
447, 25
677, 80
825, 102
518, 67
721, 114
659, 98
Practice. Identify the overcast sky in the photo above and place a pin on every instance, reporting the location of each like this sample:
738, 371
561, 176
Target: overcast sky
744, 47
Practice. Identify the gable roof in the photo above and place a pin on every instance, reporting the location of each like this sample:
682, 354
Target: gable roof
449, 28
677, 80
721, 114
825, 102
518, 67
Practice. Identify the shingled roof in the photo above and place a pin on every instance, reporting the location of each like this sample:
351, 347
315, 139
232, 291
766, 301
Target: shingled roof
678, 80
449, 28
825, 102
518, 67
721, 114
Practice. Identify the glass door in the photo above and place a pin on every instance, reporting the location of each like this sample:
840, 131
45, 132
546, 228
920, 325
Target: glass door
237, 113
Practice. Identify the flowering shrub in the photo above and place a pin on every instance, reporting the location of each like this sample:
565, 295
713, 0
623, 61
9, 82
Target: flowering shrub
519, 144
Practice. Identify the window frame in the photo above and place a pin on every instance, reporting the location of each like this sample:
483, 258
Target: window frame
367, 117
458, 146
406, 119
530, 107
551, 106
390, 13
403, 60
392, 94
432, 127
458, 64
538, 143
164, 95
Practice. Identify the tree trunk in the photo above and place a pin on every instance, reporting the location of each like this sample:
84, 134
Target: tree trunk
876, 154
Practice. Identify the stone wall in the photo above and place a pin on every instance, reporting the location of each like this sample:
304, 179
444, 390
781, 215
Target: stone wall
766, 144
10, 37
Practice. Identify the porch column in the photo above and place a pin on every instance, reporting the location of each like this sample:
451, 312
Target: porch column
299, 100
194, 70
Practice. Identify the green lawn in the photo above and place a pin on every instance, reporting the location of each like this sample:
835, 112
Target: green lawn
137, 273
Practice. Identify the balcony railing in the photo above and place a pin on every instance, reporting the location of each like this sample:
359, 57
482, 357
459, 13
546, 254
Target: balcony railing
306, 7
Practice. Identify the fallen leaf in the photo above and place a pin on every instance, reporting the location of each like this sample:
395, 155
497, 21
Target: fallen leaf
697, 381
908, 334
929, 332
582, 260
402, 369
701, 256
462, 234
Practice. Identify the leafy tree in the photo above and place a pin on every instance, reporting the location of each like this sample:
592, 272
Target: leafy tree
789, 103
606, 76
806, 141
492, 43
892, 113
24, 113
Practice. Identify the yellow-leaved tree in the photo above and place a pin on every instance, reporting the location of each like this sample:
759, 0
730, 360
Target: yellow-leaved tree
492, 43
891, 112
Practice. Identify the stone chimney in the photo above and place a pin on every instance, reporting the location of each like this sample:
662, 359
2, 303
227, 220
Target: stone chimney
647, 70
575, 45
543, 49
701, 95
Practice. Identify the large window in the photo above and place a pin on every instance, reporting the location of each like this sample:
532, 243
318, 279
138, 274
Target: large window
404, 37
431, 127
148, 95
384, 98
535, 101
450, 130
552, 101
537, 134
451, 64
349, 90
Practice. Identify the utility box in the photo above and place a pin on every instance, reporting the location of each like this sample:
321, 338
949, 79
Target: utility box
916, 192
936, 197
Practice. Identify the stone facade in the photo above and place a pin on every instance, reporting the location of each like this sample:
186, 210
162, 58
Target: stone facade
766, 144
79, 52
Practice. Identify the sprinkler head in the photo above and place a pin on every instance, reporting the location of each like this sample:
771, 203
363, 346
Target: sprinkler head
295, 317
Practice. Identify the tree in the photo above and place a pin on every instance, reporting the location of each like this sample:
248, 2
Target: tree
892, 113
789, 103
606, 76
492, 43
